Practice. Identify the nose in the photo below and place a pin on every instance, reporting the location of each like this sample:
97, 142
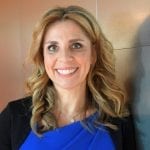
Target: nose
65, 55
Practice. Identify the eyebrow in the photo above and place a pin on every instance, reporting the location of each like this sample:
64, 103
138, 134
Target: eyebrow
51, 42
75, 40
70, 41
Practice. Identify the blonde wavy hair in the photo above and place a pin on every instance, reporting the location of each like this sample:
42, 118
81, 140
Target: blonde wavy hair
103, 90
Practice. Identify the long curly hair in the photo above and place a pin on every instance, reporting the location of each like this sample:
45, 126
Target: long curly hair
105, 94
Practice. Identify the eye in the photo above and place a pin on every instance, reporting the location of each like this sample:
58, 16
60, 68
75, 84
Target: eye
52, 48
76, 45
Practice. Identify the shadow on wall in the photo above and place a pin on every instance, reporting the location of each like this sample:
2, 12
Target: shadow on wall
138, 86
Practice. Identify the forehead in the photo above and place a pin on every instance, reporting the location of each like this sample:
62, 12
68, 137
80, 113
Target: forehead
65, 28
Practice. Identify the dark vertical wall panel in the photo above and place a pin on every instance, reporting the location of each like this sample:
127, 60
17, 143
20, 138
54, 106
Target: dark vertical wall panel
127, 25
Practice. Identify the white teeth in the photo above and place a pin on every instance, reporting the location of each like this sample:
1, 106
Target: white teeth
66, 71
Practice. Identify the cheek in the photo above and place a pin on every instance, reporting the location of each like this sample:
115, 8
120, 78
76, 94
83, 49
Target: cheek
85, 62
48, 64
87, 59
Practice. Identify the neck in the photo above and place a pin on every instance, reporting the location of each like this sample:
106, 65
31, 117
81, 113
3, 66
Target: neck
71, 101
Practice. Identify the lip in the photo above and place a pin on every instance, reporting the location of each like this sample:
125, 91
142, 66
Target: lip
66, 71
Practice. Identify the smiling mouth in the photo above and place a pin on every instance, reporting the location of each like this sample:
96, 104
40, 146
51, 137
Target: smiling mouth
66, 71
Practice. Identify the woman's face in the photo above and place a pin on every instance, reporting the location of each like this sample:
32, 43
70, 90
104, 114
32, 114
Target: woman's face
67, 54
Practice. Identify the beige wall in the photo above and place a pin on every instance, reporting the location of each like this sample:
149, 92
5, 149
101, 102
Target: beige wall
125, 23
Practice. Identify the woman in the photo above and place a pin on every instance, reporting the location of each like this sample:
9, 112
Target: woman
74, 101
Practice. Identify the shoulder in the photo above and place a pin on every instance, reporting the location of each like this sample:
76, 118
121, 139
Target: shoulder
122, 120
14, 123
124, 124
124, 136
17, 107
20, 106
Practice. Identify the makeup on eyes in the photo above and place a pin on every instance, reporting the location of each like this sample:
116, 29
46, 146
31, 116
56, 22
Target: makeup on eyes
73, 44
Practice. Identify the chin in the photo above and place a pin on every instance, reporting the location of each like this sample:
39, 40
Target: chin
71, 85
67, 87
